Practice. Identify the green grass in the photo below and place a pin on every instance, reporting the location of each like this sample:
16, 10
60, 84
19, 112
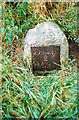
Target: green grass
27, 96
23, 94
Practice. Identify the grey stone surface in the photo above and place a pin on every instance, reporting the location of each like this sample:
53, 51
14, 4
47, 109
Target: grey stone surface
45, 34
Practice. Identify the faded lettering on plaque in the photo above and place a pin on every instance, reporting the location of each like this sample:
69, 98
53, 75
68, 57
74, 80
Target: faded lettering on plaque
45, 58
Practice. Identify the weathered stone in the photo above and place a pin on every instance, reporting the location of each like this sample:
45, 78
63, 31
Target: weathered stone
45, 34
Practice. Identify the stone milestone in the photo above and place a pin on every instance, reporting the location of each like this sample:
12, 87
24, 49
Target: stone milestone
45, 45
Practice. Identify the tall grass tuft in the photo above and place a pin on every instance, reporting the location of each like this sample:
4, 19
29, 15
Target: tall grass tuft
27, 96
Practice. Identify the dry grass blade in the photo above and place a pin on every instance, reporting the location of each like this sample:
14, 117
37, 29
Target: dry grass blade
60, 100
45, 111
18, 87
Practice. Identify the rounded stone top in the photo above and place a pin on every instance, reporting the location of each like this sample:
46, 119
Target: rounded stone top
45, 34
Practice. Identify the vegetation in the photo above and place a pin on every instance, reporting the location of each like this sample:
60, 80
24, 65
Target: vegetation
27, 96
23, 94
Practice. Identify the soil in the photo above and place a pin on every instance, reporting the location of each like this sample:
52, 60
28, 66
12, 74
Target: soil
74, 52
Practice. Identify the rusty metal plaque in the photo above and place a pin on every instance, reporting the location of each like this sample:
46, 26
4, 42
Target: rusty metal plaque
45, 58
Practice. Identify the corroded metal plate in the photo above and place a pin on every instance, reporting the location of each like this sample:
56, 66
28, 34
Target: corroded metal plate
45, 58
